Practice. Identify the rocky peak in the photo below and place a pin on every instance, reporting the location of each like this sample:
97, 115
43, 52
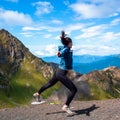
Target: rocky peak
112, 72
11, 48
107, 79
12, 54
12, 51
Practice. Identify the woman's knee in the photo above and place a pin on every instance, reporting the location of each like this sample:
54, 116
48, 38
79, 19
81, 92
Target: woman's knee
74, 90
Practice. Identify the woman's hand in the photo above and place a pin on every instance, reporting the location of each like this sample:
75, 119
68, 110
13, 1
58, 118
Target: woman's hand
58, 54
63, 35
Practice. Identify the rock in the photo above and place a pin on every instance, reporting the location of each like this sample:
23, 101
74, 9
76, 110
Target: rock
83, 88
13, 53
107, 79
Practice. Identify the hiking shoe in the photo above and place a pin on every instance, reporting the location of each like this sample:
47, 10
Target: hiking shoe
67, 109
36, 97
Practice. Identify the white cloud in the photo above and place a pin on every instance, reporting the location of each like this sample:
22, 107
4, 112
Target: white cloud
115, 21
50, 50
99, 35
96, 8
47, 35
39, 53
56, 27
26, 34
12, 0
92, 31
29, 28
14, 18
46, 50
68, 28
43, 7
42, 27
57, 37
110, 36
66, 2
57, 22
95, 50
74, 27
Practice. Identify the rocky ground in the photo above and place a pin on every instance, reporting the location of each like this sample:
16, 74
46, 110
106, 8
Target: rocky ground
84, 110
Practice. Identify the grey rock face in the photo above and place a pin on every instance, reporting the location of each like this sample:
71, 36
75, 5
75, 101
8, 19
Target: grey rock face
12, 54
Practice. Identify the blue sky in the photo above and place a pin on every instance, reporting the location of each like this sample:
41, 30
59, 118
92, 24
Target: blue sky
93, 25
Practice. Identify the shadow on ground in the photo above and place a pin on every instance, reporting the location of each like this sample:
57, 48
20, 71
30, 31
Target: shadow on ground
86, 111
55, 112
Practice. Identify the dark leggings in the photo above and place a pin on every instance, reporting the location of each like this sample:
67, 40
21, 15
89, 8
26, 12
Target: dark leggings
61, 76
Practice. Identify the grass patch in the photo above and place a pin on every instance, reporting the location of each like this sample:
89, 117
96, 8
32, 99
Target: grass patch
97, 93
5, 101
22, 86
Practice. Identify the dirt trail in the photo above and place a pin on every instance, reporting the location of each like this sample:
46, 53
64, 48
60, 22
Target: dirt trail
85, 110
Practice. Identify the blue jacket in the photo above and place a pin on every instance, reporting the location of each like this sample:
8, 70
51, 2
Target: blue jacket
66, 62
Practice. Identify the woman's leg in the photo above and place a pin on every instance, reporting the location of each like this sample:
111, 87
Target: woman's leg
52, 82
69, 84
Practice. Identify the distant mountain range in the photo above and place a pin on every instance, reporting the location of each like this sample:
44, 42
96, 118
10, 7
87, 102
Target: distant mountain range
88, 63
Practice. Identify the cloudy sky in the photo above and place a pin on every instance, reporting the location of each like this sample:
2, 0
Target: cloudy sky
93, 25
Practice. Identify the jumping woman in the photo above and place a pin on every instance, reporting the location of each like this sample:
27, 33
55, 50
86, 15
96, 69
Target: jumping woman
65, 54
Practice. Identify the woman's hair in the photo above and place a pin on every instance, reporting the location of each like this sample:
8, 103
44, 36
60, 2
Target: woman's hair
65, 40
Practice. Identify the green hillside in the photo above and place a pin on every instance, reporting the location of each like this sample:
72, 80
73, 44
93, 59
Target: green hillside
22, 86
21, 73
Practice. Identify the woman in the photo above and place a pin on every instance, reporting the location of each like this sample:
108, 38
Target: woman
65, 53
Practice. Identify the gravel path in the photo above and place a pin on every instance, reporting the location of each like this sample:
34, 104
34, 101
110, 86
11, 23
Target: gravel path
85, 110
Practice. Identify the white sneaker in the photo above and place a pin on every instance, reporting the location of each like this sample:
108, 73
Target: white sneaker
67, 109
37, 97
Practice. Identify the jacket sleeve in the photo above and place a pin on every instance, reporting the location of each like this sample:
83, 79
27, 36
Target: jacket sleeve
63, 52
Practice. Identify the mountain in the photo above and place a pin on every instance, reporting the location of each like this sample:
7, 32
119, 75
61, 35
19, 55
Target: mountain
77, 58
98, 84
13, 53
21, 73
54, 59
106, 61
105, 81
87, 63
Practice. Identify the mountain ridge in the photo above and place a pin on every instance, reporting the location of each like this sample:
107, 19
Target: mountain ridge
88, 63
82, 58
13, 51
97, 84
